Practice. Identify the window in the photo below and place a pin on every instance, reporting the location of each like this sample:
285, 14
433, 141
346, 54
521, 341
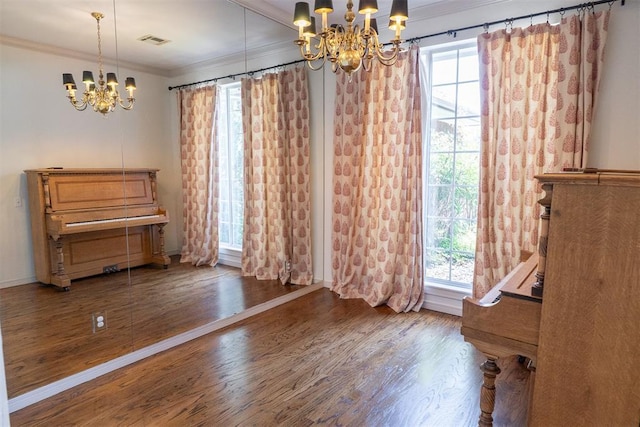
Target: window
230, 167
452, 150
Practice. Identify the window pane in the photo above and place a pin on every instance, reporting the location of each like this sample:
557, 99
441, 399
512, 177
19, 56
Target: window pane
440, 201
468, 99
467, 168
438, 264
468, 134
462, 268
445, 66
224, 232
237, 235
466, 202
443, 101
463, 236
439, 235
441, 168
442, 135
468, 64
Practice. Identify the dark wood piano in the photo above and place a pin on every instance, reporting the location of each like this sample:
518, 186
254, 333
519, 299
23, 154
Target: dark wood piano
92, 221
573, 310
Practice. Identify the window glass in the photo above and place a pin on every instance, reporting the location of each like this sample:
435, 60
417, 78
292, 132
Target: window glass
230, 167
452, 156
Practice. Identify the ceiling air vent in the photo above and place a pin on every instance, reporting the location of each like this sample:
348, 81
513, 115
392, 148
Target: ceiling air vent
153, 40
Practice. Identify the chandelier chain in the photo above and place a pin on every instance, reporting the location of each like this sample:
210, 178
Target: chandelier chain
100, 63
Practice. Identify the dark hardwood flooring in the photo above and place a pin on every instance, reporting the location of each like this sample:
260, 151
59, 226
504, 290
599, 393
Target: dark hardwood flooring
48, 334
317, 360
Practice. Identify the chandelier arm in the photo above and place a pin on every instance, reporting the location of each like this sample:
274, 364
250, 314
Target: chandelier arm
78, 105
313, 56
311, 67
129, 106
366, 63
390, 59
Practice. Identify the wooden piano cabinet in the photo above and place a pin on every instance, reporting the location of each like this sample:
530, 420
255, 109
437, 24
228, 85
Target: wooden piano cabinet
584, 335
91, 221
588, 367
505, 327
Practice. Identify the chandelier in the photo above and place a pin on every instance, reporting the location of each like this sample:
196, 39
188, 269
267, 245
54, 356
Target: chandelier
104, 97
350, 47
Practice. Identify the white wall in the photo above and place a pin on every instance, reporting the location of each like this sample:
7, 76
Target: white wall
615, 141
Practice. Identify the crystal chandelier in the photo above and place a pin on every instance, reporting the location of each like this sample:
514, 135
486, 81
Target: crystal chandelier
104, 97
350, 47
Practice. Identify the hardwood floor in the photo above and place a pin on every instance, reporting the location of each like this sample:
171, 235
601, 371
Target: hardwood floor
318, 360
48, 334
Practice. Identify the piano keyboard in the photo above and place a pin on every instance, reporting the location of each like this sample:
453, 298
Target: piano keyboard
104, 221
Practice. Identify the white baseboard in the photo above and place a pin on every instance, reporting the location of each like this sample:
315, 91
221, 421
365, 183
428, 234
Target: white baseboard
17, 282
44, 392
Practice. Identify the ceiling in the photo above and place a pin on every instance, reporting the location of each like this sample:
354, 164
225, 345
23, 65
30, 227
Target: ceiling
199, 31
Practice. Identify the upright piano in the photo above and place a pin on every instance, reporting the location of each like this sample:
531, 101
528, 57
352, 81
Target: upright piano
575, 312
91, 221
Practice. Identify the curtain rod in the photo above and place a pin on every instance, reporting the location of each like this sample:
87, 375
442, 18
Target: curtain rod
453, 32
233, 76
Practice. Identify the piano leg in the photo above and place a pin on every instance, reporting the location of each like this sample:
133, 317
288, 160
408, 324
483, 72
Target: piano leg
60, 277
162, 257
488, 392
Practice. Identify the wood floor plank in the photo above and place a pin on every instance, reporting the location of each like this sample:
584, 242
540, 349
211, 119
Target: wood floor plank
318, 360
48, 334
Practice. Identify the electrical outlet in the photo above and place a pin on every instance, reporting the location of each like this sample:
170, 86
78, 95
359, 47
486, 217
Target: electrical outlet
99, 321
18, 202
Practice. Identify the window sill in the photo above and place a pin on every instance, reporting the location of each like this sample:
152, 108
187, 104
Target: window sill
444, 298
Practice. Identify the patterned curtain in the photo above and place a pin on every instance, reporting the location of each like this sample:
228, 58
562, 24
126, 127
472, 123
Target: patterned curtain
277, 223
377, 186
538, 91
199, 157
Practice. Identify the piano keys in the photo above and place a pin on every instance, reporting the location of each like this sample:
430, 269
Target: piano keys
90, 221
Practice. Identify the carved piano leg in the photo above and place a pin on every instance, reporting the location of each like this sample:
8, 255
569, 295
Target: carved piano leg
163, 257
60, 277
488, 392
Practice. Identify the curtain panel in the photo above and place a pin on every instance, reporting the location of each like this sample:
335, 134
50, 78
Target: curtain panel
198, 157
538, 91
377, 186
277, 222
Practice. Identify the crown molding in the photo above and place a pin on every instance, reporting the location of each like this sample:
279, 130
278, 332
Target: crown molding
448, 7
68, 53
420, 13
265, 54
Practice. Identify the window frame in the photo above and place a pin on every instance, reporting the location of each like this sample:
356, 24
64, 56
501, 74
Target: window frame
227, 250
440, 286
